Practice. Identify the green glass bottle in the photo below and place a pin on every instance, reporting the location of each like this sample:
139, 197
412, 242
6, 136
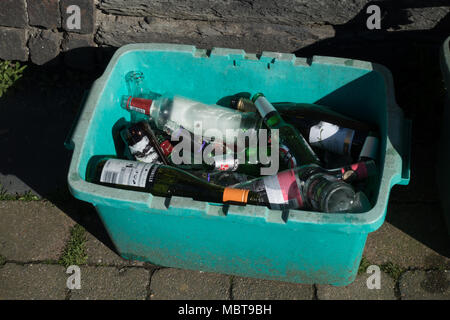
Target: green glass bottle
164, 181
321, 126
289, 136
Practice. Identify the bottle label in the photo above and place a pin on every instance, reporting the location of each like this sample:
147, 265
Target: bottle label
143, 151
370, 148
166, 147
331, 137
264, 106
283, 189
226, 163
139, 105
123, 172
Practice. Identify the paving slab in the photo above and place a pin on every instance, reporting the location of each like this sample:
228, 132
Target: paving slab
425, 285
175, 284
258, 289
32, 231
413, 236
32, 282
100, 254
359, 290
110, 283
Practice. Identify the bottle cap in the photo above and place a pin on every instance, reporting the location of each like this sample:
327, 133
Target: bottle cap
235, 195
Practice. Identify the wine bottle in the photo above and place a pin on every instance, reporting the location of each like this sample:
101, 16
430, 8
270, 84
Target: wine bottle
164, 181
291, 111
222, 178
189, 114
289, 136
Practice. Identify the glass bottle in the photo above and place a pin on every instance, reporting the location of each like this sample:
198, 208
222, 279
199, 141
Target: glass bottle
164, 181
288, 135
321, 126
145, 144
311, 187
192, 115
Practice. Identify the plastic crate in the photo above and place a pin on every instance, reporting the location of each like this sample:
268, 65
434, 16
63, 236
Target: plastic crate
443, 168
252, 241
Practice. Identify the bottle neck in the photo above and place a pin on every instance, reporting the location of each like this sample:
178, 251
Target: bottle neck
267, 111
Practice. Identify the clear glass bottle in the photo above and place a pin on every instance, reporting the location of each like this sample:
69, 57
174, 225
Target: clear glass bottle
191, 114
311, 187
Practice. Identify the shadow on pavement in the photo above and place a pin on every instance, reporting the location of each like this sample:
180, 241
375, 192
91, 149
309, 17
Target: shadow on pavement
36, 116
413, 59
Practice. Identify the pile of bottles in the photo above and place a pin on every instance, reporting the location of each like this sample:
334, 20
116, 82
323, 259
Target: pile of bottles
282, 155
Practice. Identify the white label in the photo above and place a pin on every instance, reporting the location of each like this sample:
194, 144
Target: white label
331, 137
139, 151
140, 110
263, 106
151, 157
129, 173
140, 146
273, 190
226, 164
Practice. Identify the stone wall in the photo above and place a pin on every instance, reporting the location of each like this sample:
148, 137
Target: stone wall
38, 31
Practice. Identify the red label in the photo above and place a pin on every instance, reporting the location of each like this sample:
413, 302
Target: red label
166, 147
289, 187
360, 169
139, 105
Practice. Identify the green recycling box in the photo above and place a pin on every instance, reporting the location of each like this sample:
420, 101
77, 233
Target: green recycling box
251, 241
443, 170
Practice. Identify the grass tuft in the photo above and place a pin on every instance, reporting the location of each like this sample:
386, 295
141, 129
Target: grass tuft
393, 270
75, 251
27, 196
363, 265
10, 72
